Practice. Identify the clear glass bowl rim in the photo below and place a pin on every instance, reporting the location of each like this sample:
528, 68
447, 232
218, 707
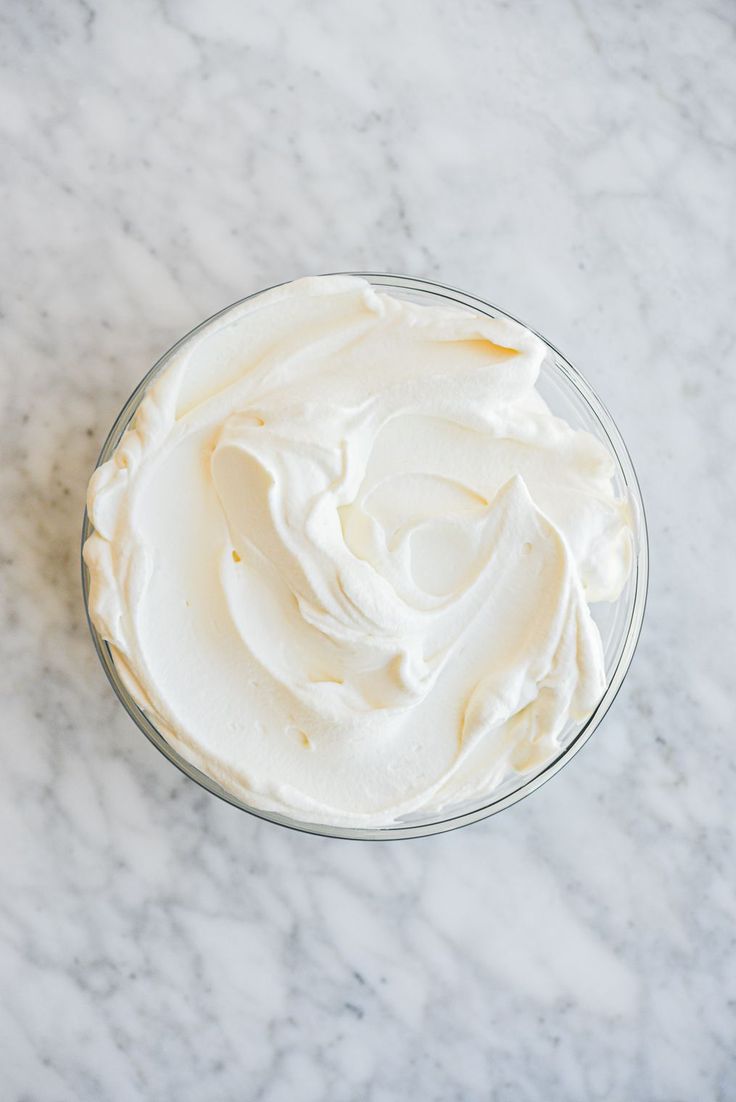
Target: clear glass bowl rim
493, 805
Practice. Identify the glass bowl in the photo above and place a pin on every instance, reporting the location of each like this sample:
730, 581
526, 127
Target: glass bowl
568, 395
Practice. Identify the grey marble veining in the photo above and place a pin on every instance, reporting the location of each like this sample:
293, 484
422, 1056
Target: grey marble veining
576, 164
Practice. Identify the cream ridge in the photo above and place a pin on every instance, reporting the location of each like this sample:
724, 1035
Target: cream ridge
345, 553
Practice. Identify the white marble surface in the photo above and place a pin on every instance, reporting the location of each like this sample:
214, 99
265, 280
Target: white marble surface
575, 163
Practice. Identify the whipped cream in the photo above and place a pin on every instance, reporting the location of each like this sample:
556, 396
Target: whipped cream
345, 553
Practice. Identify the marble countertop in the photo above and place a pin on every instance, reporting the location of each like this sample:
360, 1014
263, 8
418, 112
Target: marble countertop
576, 164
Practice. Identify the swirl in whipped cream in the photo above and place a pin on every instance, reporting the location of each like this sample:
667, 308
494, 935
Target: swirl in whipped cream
345, 553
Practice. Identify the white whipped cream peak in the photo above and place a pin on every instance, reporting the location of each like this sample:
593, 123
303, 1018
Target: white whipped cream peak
344, 555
